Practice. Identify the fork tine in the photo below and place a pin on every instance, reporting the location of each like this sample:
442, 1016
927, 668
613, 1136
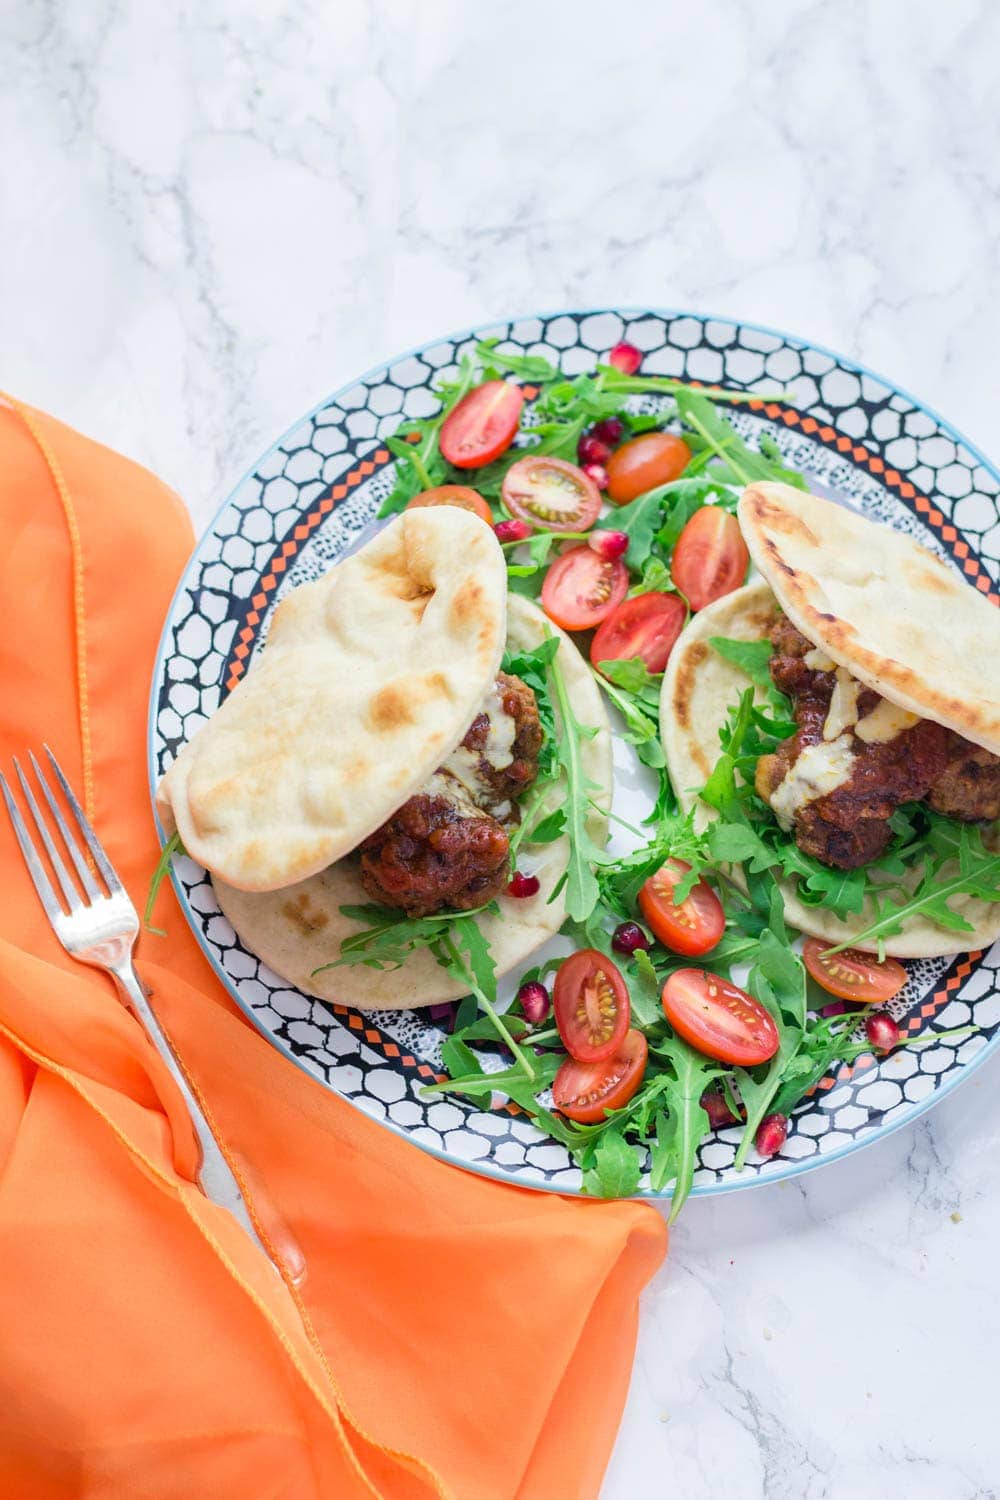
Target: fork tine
36, 869
93, 842
69, 890
80, 864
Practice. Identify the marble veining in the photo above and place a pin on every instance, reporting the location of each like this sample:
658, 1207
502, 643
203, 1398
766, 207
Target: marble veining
214, 215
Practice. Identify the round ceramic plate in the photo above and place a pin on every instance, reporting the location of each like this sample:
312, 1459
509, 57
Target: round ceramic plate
312, 498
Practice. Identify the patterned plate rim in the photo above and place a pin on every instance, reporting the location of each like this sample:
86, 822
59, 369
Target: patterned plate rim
485, 1168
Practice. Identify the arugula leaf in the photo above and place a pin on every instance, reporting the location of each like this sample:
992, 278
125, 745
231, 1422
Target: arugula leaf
521, 1086
738, 843
720, 790
581, 883
733, 948
549, 828
171, 847
722, 445
654, 579
621, 878
645, 992
616, 1167
533, 668
467, 953
778, 981
457, 1057
464, 954
533, 367
931, 899
683, 1125
666, 804
632, 674
415, 444
752, 657
653, 385
635, 692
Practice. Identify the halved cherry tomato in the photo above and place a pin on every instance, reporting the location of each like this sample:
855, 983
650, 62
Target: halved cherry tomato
853, 975
583, 1091
459, 495
581, 589
692, 926
718, 1018
644, 462
710, 558
645, 626
551, 494
482, 425
591, 1005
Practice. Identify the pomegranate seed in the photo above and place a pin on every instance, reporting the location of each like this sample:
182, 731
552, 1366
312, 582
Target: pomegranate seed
512, 531
598, 473
882, 1031
628, 936
610, 431
523, 885
625, 357
533, 999
715, 1105
608, 544
590, 450
772, 1133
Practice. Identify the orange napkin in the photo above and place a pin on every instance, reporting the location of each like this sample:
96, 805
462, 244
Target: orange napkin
450, 1337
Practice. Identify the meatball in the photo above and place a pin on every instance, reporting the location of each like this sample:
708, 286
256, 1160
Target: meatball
437, 853
508, 726
849, 827
789, 671
447, 849
969, 787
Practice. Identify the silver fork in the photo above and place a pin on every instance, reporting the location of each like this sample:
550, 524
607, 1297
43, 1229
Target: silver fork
101, 929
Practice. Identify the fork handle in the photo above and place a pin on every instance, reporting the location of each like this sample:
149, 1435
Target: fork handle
215, 1176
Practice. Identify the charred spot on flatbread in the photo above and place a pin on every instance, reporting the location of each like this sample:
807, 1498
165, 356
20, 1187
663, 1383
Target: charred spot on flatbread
391, 708
690, 661
305, 917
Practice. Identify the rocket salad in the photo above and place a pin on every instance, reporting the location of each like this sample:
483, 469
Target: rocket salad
684, 1006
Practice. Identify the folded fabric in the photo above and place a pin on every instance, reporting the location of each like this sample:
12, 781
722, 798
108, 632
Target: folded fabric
449, 1336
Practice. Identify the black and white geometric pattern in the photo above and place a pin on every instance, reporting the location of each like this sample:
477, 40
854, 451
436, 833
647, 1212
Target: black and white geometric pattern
312, 498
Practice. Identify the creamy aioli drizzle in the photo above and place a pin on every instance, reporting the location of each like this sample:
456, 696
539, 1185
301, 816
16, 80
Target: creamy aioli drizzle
843, 711
458, 778
819, 770
885, 721
818, 660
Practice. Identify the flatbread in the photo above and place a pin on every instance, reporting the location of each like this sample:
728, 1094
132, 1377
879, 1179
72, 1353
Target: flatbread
369, 679
880, 605
699, 687
296, 930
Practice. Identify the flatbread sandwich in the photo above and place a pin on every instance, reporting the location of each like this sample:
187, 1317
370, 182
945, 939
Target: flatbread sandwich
889, 662
375, 752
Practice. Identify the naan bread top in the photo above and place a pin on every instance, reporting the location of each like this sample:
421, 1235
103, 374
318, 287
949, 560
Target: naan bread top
882, 606
369, 678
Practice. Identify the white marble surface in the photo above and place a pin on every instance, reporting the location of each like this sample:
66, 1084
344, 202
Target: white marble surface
214, 214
